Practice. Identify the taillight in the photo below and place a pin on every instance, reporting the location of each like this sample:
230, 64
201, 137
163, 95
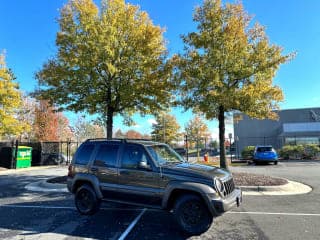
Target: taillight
70, 171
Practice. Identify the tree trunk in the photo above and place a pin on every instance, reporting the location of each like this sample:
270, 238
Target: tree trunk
223, 162
109, 122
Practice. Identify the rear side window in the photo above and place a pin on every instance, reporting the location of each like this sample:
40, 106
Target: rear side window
84, 154
107, 155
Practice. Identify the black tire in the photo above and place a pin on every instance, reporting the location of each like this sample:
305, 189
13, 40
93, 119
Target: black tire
192, 215
275, 162
86, 200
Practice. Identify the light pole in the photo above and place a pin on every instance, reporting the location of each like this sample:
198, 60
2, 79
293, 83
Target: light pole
237, 146
230, 138
187, 147
164, 129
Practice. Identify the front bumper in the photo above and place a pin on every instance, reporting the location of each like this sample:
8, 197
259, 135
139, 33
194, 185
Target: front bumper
225, 204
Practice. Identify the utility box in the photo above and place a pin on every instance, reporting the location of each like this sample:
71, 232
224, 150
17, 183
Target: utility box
24, 157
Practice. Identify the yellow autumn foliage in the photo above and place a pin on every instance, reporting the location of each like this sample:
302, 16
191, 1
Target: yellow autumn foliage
10, 102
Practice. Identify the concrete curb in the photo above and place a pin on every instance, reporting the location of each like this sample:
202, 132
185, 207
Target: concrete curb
44, 186
13, 171
291, 188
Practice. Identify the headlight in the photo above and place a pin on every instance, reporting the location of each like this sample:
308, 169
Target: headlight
218, 185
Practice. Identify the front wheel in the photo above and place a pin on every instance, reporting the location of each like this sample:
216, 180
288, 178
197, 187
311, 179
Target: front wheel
86, 200
192, 214
275, 162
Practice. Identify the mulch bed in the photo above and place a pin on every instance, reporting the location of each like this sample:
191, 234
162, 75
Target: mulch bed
248, 179
240, 179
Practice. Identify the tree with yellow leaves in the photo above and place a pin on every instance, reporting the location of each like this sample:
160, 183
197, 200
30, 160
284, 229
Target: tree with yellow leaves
166, 128
228, 65
197, 130
10, 102
110, 61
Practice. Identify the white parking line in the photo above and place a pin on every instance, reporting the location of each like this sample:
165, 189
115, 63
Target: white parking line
73, 208
275, 213
143, 210
37, 206
131, 226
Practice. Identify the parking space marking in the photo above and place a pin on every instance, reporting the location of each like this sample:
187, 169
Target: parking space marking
275, 213
143, 210
73, 208
38, 206
131, 226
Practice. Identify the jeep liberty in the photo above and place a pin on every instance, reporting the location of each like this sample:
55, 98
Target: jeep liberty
152, 175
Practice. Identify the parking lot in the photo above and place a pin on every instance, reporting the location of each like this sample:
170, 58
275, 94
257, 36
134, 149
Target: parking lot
27, 214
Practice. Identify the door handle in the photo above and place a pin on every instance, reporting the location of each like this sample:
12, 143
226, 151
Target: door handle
94, 169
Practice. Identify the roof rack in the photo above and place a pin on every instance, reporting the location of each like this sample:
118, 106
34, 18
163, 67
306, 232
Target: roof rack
118, 139
136, 139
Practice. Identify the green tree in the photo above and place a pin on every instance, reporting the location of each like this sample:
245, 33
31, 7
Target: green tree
228, 65
167, 128
10, 103
197, 130
110, 61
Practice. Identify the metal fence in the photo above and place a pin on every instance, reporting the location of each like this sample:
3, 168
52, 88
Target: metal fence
43, 153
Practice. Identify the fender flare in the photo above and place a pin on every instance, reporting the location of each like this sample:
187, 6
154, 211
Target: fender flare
93, 180
204, 190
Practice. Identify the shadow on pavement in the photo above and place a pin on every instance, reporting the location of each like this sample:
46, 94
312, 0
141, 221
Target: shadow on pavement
49, 219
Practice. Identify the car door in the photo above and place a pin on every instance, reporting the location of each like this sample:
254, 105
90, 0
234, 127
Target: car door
138, 182
105, 168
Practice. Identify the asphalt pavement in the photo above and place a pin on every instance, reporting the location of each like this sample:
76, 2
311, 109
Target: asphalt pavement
29, 214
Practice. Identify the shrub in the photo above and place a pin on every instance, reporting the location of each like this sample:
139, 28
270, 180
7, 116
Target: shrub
309, 151
247, 152
286, 151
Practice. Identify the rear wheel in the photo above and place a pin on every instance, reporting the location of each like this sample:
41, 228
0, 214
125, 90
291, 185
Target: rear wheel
192, 214
86, 200
275, 162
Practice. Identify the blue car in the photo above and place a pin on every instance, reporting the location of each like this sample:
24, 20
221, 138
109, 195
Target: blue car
265, 154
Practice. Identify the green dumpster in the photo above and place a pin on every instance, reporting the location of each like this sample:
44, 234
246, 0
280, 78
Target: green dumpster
24, 156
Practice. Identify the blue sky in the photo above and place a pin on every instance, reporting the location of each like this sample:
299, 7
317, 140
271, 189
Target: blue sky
28, 31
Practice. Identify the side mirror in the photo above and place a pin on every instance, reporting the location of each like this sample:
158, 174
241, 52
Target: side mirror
144, 165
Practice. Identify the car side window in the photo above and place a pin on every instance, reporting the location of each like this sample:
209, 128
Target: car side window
84, 154
132, 156
107, 155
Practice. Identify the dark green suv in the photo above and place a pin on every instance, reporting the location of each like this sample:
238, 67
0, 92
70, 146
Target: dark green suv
152, 175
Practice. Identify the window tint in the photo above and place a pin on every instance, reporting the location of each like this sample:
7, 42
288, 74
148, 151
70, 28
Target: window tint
84, 153
107, 155
132, 156
264, 149
164, 154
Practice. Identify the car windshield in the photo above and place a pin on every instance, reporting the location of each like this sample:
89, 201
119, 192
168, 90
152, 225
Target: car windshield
163, 154
264, 149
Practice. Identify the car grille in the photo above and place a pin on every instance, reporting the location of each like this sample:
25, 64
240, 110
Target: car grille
228, 187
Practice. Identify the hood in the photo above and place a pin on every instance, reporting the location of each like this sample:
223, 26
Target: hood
196, 170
